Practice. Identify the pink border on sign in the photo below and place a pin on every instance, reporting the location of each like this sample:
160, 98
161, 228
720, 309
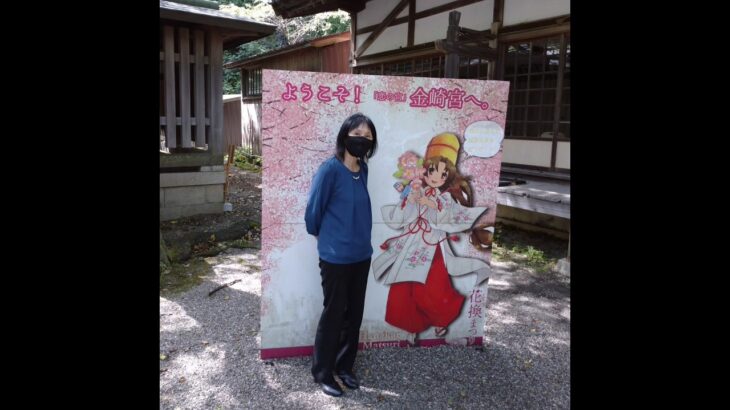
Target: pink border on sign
282, 352
276, 353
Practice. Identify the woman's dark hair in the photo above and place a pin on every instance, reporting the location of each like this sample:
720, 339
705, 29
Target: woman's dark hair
352, 122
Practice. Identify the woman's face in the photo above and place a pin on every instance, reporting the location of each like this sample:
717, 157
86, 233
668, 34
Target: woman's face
362, 130
436, 175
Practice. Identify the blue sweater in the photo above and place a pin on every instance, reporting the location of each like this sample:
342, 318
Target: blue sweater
338, 212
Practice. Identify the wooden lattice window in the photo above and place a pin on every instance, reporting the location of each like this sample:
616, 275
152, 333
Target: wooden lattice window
190, 62
473, 68
539, 98
251, 82
430, 66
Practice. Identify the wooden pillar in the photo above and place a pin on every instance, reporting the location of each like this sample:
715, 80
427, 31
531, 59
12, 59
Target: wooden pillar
452, 58
492, 69
184, 86
558, 101
353, 39
497, 19
170, 112
411, 22
199, 88
215, 53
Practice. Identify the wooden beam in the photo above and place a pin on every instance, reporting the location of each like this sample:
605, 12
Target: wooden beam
352, 7
196, 158
474, 43
199, 86
560, 20
411, 22
552, 21
169, 49
484, 52
476, 34
535, 170
214, 18
381, 27
558, 209
330, 39
431, 51
423, 14
527, 34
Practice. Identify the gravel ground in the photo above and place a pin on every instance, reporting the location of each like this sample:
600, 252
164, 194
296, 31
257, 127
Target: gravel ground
211, 358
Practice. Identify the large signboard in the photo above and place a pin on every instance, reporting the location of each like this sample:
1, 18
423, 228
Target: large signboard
431, 233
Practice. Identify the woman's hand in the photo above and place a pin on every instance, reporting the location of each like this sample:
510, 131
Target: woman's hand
414, 196
427, 202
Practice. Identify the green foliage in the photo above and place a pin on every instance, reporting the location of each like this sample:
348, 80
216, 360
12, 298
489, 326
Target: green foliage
240, 3
244, 159
536, 250
288, 32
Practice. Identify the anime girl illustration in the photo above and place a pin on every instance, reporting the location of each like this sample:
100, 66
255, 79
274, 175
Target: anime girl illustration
435, 206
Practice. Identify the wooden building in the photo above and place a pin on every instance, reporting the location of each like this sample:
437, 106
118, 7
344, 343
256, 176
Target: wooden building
328, 54
525, 42
192, 40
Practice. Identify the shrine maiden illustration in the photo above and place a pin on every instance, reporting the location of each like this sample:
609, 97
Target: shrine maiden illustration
435, 207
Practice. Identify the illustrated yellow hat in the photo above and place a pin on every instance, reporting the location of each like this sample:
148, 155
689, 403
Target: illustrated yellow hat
445, 145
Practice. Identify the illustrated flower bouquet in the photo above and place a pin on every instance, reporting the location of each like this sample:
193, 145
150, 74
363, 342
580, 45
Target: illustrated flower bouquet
409, 174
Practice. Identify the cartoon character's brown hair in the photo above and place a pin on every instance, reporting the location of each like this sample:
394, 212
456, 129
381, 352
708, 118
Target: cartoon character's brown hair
458, 186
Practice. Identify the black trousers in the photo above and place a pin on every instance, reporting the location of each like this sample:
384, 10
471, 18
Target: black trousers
338, 332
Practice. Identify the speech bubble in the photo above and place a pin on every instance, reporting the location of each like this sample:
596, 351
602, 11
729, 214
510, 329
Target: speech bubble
483, 138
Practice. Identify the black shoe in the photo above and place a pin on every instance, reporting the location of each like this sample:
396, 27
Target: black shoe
331, 388
349, 380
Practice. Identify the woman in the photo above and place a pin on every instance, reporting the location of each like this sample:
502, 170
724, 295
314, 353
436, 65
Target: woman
338, 214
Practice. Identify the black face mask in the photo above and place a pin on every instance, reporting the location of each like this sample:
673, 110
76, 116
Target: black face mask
358, 146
